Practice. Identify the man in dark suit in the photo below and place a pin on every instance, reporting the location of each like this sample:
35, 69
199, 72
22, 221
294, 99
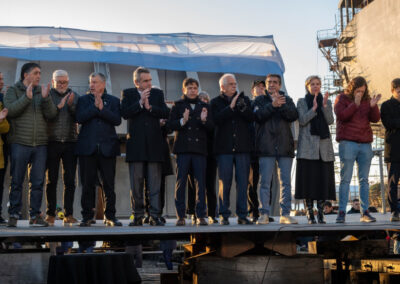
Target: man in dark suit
97, 147
143, 107
191, 122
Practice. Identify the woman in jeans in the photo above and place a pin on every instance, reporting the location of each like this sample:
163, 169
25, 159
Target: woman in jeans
355, 110
315, 173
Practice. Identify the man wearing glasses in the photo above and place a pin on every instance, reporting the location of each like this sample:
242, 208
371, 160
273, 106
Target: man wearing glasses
63, 133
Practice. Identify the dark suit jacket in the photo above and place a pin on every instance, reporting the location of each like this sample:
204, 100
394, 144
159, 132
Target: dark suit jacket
145, 139
192, 137
232, 127
98, 127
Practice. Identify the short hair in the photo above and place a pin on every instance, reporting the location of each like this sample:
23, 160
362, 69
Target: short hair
224, 78
60, 73
356, 200
98, 74
205, 95
276, 76
328, 203
354, 84
28, 67
395, 83
139, 71
311, 78
189, 81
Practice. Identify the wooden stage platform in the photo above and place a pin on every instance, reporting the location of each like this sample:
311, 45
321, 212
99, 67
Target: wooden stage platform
100, 232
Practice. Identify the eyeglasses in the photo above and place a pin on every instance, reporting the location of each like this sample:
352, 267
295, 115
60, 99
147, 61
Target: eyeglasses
62, 82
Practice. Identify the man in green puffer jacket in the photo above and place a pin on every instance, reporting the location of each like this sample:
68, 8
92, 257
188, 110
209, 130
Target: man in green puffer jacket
29, 106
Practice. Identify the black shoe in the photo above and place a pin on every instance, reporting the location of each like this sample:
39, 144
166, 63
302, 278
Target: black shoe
254, 219
180, 222
310, 211
341, 217
2, 221
162, 219
320, 215
114, 222
155, 221
244, 221
271, 219
38, 221
137, 221
202, 222
224, 221
146, 220
85, 223
12, 222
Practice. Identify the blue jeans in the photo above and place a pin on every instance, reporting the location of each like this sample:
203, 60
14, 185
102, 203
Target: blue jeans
267, 166
350, 152
33, 158
225, 173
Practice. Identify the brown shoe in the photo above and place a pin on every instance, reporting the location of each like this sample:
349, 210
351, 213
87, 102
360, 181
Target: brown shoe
201, 222
181, 222
50, 220
69, 220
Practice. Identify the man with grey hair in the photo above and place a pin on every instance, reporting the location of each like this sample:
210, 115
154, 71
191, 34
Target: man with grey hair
97, 147
143, 107
232, 115
63, 133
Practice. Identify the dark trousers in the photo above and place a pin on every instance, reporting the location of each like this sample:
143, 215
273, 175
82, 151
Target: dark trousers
211, 176
2, 174
252, 196
198, 163
137, 174
64, 152
33, 158
393, 180
225, 173
90, 165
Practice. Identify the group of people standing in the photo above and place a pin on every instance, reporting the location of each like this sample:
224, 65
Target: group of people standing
229, 134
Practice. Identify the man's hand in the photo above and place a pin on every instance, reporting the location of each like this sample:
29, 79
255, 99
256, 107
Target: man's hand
203, 114
234, 100
45, 91
163, 121
144, 96
71, 97
98, 102
3, 114
62, 102
29, 92
185, 116
375, 99
278, 100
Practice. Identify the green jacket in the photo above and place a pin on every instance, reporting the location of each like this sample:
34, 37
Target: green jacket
27, 117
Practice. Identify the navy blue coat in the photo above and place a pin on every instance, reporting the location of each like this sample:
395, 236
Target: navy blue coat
98, 126
145, 138
192, 137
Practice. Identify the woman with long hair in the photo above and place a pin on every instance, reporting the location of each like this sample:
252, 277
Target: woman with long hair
355, 110
315, 174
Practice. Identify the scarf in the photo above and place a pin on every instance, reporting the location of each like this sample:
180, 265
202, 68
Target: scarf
319, 126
